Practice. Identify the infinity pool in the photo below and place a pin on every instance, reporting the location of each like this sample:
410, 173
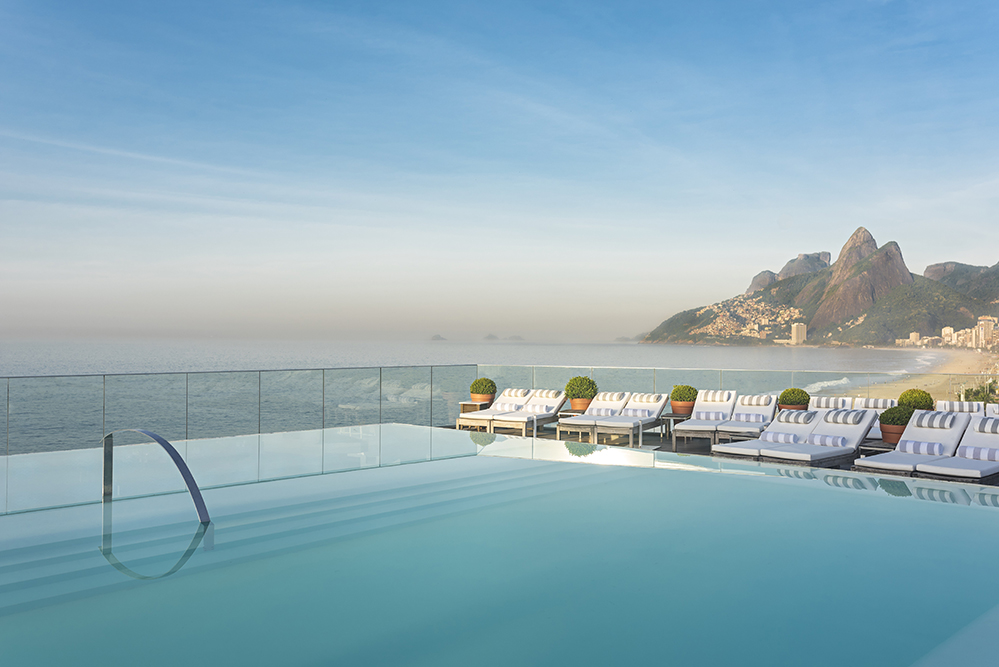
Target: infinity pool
521, 553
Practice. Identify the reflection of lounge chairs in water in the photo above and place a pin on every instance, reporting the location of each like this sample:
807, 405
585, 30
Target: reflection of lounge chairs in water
855, 483
986, 499
796, 473
950, 494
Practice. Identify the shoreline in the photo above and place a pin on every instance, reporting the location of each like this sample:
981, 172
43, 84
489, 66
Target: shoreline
945, 380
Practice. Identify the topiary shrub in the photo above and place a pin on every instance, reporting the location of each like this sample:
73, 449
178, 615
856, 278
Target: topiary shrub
580, 449
482, 439
896, 416
683, 393
917, 399
793, 396
482, 386
580, 387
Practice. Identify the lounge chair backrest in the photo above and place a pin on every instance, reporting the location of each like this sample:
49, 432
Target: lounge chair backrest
755, 404
927, 429
511, 400
878, 404
852, 425
830, 403
981, 440
608, 403
714, 403
971, 407
992, 410
639, 403
793, 422
545, 401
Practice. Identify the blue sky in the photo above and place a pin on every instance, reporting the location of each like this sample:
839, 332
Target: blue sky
404, 169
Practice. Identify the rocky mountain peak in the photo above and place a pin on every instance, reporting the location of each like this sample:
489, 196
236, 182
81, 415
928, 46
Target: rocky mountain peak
860, 245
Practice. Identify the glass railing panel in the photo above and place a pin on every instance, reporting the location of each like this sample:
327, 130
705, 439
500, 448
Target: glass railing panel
831, 383
223, 461
156, 403
449, 443
555, 377
756, 382
667, 378
351, 448
634, 380
291, 401
53, 478
352, 396
3, 419
406, 395
404, 443
505, 377
450, 388
49, 414
223, 404
145, 469
291, 454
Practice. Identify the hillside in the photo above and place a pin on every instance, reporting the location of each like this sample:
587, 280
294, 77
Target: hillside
977, 282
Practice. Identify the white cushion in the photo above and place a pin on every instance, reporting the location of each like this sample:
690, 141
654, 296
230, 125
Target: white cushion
960, 467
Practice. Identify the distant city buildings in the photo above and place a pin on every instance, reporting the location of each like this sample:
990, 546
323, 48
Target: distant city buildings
983, 335
798, 333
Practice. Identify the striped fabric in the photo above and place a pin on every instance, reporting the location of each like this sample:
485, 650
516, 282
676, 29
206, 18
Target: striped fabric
796, 416
935, 420
752, 417
844, 482
987, 499
877, 403
936, 495
710, 416
646, 398
829, 402
913, 447
538, 409
777, 436
515, 393
978, 453
547, 393
758, 399
796, 474
507, 407
827, 440
852, 417
958, 406
601, 412
609, 396
988, 425
636, 412
716, 396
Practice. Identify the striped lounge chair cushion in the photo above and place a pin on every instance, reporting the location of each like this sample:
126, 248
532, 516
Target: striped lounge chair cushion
914, 447
609, 396
710, 416
601, 412
978, 453
829, 402
935, 420
646, 398
751, 417
636, 412
827, 440
515, 393
988, 425
796, 416
878, 403
777, 436
538, 408
852, 417
547, 393
507, 407
719, 396
959, 406
757, 399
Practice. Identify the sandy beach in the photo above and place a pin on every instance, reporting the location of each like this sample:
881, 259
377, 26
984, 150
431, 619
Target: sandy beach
962, 369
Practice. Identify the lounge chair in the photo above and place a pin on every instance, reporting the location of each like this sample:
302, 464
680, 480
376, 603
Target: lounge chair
752, 414
879, 405
605, 404
510, 400
976, 458
788, 427
834, 441
971, 407
992, 410
821, 404
929, 436
710, 409
640, 414
542, 408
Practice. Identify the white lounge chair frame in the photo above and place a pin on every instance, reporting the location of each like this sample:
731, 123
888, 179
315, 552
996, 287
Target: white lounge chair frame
903, 463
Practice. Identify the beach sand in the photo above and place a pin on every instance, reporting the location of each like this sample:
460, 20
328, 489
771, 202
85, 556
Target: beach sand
962, 369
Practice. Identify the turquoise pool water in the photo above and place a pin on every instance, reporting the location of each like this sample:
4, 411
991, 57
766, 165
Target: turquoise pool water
521, 554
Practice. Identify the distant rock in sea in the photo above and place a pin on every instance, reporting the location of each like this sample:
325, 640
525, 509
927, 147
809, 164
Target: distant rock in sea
438, 337
513, 338
491, 337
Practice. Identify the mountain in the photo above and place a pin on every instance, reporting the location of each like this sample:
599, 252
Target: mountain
978, 282
802, 264
761, 280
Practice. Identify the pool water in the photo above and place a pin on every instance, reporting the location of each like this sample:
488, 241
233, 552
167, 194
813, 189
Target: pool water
521, 554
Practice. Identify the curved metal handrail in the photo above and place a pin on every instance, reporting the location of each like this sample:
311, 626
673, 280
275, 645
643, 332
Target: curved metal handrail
185, 472
107, 547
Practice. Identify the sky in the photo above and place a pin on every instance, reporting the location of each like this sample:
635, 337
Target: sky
564, 171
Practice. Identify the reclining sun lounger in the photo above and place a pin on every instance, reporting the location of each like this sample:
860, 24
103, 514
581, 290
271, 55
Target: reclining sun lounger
834, 441
789, 427
710, 409
542, 408
929, 436
604, 404
752, 414
511, 400
879, 405
971, 407
992, 410
640, 414
976, 458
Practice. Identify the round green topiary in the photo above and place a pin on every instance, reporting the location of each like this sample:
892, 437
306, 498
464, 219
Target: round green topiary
683, 393
793, 396
896, 416
917, 399
580, 449
483, 386
482, 439
580, 387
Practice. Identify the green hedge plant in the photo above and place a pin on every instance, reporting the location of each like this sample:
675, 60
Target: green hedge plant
917, 399
483, 386
683, 393
794, 396
896, 416
580, 387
